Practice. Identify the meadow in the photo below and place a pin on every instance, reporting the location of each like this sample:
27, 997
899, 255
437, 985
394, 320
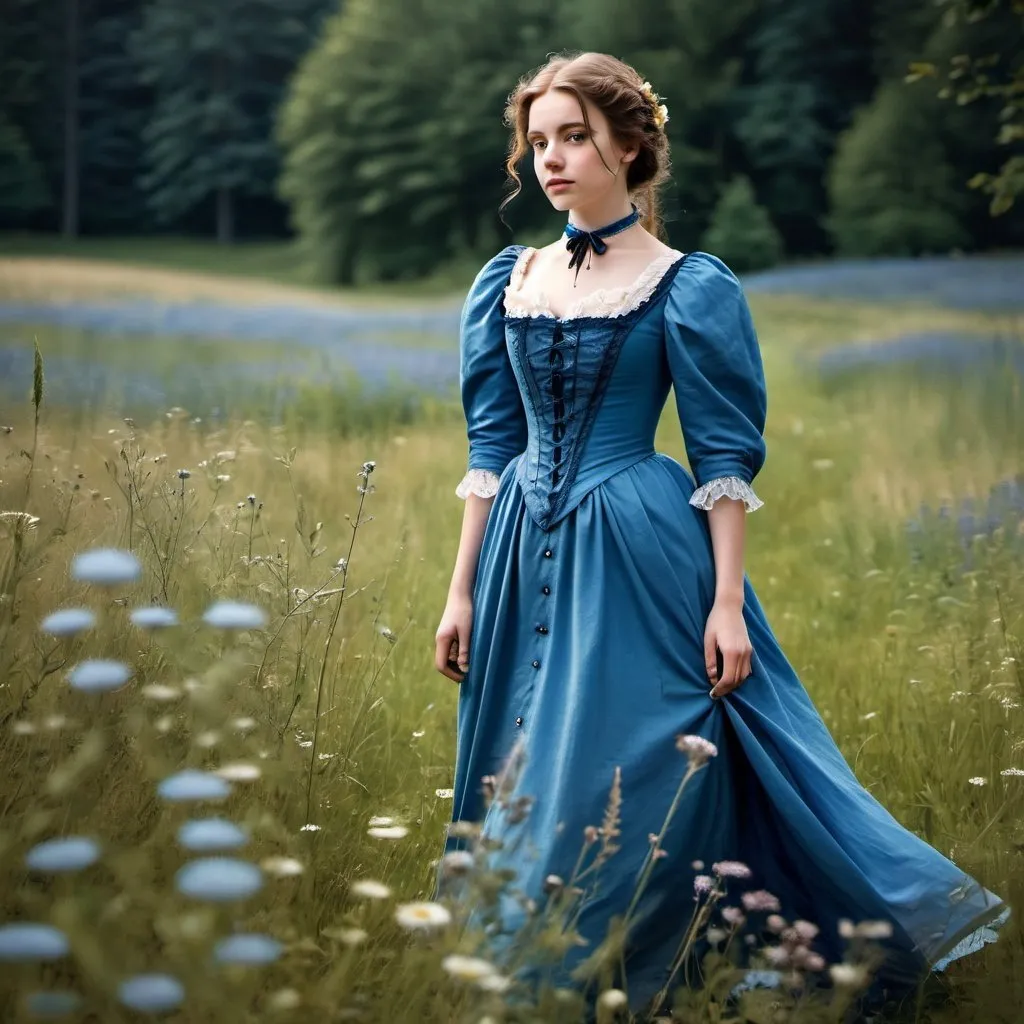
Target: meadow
318, 741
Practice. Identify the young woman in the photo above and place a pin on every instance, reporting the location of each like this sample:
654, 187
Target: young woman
599, 607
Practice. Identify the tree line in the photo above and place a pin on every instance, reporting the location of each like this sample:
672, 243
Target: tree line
372, 128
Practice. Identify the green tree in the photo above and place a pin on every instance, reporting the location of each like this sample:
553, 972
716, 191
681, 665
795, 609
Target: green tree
892, 190
741, 232
217, 72
394, 165
22, 185
983, 61
809, 68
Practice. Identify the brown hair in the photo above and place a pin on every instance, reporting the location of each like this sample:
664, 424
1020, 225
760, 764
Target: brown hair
615, 89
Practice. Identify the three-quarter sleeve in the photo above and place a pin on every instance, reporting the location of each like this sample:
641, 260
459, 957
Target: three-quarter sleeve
495, 417
718, 379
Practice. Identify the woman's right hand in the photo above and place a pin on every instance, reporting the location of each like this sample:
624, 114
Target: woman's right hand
451, 649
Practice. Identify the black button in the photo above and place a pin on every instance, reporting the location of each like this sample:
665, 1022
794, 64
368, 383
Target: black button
545, 590
543, 630
519, 721
536, 664
547, 554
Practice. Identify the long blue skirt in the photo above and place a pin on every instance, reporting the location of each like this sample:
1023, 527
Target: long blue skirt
587, 656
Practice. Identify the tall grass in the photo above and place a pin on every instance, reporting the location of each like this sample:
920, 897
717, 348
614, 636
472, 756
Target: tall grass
337, 737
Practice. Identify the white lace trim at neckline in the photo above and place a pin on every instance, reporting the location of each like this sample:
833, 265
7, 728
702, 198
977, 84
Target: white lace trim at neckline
605, 302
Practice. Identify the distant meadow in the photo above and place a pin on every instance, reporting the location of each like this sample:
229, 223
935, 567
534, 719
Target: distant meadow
226, 534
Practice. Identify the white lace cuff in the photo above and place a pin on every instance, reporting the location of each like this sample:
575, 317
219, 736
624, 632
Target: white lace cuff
726, 487
481, 482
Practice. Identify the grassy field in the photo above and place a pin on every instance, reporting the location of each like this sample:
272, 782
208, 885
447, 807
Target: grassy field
903, 620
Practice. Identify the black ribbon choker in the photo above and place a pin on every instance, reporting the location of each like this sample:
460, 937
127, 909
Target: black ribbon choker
584, 243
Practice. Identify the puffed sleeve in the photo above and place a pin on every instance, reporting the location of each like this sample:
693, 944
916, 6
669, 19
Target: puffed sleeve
718, 379
495, 418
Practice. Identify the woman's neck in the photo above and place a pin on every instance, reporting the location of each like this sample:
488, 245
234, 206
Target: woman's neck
593, 218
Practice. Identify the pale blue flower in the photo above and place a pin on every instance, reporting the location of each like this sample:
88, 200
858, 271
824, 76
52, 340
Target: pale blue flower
247, 949
52, 1004
96, 675
106, 566
219, 879
151, 993
211, 834
193, 784
57, 855
68, 622
154, 618
235, 615
25, 942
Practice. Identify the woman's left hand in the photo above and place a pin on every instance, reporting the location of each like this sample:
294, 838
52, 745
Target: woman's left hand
726, 631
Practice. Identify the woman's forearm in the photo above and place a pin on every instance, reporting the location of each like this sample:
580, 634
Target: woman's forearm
726, 520
474, 522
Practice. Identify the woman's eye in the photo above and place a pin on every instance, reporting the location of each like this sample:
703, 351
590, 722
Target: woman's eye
579, 136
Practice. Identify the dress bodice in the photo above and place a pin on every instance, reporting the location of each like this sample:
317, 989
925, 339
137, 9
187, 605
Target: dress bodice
574, 400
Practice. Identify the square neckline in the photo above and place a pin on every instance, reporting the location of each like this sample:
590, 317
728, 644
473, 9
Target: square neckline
602, 303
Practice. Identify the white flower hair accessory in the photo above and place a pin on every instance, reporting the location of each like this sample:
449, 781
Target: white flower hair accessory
659, 108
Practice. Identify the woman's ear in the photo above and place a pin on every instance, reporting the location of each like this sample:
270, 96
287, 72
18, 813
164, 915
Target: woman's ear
629, 154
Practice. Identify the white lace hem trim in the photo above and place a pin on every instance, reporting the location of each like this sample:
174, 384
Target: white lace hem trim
726, 487
605, 302
481, 482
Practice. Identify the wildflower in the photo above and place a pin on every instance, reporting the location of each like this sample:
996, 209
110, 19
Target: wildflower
388, 832
348, 936
467, 968
160, 692
244, 724
218, 879
874, 930
554, 883
19, 517
463, 829
154, 618
183, 474
284, 999
234, 615
846, 928
612, 999
810, 961
68, 622
282, 867
978, 780
697, 749
1012, 771
97, 675
380, 819
222, 478
388, 635
192, 784
731, 869
422, 916
226, 456
703, 884
458, 862
370, 889
805, 930
777, 956
760, 900
444, 794
151, 993
733, 916
697, 865
247, 949
716, 935
72, 853
493, 983
310, 828
775, 923
239, 772
106, 567
848, 975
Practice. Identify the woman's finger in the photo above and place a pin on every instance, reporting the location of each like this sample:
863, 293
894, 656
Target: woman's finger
443, 654
711, 656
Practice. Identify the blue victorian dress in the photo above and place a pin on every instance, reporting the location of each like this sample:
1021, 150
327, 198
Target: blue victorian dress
595, 581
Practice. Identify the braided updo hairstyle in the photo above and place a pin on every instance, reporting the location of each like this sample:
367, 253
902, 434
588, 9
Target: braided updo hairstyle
615, 89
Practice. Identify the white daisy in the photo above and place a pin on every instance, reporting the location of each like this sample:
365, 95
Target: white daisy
422, 916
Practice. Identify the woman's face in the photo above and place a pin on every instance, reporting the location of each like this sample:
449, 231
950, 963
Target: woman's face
564, 149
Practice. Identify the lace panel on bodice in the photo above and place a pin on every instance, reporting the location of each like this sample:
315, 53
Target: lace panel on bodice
605, 302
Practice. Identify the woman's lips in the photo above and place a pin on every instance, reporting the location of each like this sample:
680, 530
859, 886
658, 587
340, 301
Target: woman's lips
558, 186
